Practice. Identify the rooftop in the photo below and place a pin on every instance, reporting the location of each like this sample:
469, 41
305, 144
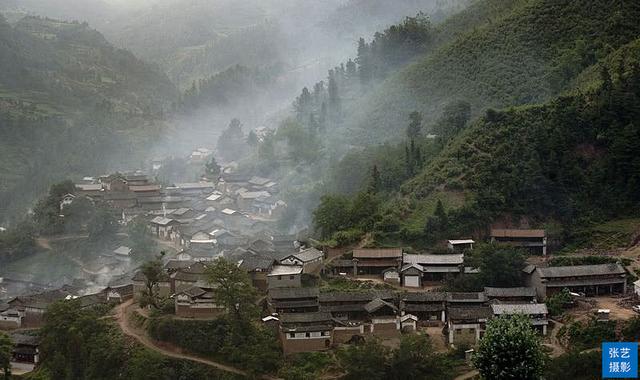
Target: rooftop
195, 185
511, 233
526, 309
510, 292
378, 253
316, 317
470, 313
293, 293
309, 254
462, 241
581, 270
444, 259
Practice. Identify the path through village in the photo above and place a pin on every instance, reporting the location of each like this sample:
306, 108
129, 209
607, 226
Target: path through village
122, 314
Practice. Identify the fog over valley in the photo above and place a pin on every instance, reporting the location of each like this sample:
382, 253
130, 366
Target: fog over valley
304, 189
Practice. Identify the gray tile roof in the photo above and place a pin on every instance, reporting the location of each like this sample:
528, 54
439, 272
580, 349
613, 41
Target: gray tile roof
293, 293
510, 292
581, 270
304, 318
425, 297
526, 309
469, 313
377, 304
360, 296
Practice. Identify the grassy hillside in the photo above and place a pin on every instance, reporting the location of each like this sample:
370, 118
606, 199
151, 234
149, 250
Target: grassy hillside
70, 103
522, 54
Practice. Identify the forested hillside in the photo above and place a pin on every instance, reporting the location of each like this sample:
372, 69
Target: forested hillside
560, 152
519, 55
64, 88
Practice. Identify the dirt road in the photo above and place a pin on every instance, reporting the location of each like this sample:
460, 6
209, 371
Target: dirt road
122, 317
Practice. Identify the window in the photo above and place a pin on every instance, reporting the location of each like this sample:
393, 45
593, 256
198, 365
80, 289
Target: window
279, 277
292, 277
292, 335
308, 335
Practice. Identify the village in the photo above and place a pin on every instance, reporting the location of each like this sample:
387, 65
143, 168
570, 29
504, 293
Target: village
391, 291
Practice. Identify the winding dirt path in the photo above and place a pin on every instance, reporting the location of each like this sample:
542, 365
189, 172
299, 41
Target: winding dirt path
122, 312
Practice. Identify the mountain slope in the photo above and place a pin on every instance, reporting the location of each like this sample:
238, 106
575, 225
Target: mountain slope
523, 56
70, 103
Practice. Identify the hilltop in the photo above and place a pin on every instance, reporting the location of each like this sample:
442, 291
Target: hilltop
496, 54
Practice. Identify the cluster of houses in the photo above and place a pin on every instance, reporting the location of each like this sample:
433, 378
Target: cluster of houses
308, 320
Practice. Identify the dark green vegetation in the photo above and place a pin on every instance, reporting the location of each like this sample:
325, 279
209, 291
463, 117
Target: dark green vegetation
589, 334
570, 160
238, 342
510, 349
6, 346
575, 365
78, 344
64, 88
413, 359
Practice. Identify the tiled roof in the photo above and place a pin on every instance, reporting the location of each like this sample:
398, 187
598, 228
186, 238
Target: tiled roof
581, 270
450, 259
378, 253
511, 233
293, 293
526, 309
510, 292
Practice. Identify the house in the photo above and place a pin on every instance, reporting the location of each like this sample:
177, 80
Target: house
257, 267
350, 306
199, 252
310, 259
10, 318
185, 278
285, 276
25, 354
537, 313
197, 302
375, 260
136, 178
195, 188
383, 317
466, 325
391, 275
305, 332
145, 190
429, 307
246, 199
121, 199
30, 309
122, 253
460, 245
411, 275
293, 300
511, 295
162, 227
430, 267
118, 293
66, 201
535, 241
93, 190
595, 280
466, 299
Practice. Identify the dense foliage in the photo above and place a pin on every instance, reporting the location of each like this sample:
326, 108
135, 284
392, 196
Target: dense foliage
414, 358
78, 344
509, 349
575, 365
232, 340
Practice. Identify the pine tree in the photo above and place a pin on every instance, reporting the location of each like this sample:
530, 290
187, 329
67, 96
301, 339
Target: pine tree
415, 125
374, 182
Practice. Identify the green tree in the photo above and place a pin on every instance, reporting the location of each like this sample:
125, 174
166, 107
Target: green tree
415, 125
103, 224
499, 267
332, 214
509, 349
141, 240
374, 182
417, 359
153, 274
232, 288
212, 169
367, 361
6, 347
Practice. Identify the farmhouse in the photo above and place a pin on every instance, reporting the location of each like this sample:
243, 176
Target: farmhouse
375, 260
427, 306
589, 279
427, 267
511, 295
535, 241
351, 305
257, 267
537, 313
197, 302
285, 276
310, 259
306, 332
293, 300
466, 325
460, 245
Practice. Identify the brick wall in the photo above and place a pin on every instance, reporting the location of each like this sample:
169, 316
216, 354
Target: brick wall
292, 346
